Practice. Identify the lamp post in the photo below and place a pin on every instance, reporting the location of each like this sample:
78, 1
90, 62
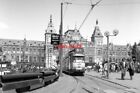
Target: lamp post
107, 34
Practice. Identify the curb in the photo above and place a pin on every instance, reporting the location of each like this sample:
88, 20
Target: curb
103, 78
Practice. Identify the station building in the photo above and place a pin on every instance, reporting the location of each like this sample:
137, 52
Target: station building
43, 52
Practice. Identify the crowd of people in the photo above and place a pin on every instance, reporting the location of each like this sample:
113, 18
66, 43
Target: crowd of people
123, 66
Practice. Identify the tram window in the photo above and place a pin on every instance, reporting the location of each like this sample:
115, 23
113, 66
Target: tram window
79, 58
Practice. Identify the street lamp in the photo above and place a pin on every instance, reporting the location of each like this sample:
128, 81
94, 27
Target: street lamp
107, 34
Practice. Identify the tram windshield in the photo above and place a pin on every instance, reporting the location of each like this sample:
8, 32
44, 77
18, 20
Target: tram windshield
78, 59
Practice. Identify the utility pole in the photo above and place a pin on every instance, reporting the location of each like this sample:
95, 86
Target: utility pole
61, 40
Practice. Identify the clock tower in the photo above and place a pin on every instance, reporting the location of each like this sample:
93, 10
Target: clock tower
48, 47
97, 39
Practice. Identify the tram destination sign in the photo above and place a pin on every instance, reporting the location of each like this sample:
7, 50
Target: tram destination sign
55, 39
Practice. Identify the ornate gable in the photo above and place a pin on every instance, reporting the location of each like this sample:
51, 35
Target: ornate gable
73, 35
96, 32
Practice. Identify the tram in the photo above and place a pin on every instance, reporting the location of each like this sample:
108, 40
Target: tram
74, 61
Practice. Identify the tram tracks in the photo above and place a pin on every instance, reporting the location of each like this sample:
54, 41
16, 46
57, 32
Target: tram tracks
76, 86
90, 84
83, 87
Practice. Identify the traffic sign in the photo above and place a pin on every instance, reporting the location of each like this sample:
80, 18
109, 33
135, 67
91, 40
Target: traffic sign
55, 39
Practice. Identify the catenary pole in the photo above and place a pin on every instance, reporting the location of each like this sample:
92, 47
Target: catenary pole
61, 40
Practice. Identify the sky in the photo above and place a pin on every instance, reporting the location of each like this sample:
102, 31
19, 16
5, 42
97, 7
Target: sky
30, 18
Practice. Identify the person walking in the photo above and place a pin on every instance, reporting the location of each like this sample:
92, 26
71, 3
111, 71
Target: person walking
123, 68
131, 69
103, 69
106, 69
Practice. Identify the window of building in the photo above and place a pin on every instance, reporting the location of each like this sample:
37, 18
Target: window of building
17, 49
99, 52
26, 57
26, 49
14, 48
34, 50
30, 58
17, 58
31, 50
12, 56
35, 59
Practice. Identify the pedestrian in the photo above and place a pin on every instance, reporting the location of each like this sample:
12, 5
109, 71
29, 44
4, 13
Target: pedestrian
116, 67
123, 68
131, 69
103, 70
98, 68
106, 68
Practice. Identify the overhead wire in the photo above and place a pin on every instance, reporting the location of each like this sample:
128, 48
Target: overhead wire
92, 6
109, 4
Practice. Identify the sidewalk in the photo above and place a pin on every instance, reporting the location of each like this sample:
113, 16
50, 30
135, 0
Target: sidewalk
115, 77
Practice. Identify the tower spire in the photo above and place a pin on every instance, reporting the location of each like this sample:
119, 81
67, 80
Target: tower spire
51, 18
96, 21
50, 28
96, 33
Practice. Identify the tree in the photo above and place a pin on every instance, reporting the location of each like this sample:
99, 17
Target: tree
139, 44
1, 53
138, 53
134, 51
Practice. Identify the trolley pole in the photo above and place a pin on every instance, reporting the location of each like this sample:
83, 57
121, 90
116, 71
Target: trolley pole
61, 40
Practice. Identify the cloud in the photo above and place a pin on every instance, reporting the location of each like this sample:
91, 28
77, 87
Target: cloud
3, 25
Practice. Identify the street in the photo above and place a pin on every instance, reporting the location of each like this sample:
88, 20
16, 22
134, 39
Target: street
82, 84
